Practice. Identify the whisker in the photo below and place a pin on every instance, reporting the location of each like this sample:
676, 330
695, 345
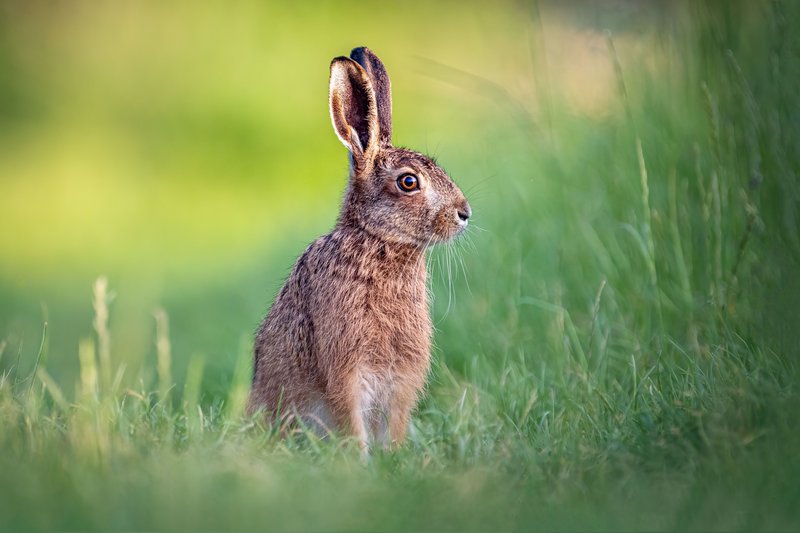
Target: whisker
475, 190
441, 269
460, 258
454, 277
479, 228
466, 240
446, 278
449, 279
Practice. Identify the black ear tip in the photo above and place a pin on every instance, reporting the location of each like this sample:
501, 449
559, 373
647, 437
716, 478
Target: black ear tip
360, 54
359, 51
367, 59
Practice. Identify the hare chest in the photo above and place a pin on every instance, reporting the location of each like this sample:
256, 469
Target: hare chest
391, 372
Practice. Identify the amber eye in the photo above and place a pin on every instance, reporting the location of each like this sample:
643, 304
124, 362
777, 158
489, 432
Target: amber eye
408, 182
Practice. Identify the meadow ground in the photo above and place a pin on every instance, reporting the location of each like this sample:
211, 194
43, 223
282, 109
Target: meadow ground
615, 344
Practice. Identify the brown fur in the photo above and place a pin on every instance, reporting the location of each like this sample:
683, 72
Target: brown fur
347, 341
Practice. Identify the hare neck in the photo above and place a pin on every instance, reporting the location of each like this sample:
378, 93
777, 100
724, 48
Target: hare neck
377, 227
380, 255
376, 234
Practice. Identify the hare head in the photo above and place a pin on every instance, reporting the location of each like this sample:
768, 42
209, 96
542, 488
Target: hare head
396, 194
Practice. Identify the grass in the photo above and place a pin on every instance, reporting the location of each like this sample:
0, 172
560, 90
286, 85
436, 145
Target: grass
614, 350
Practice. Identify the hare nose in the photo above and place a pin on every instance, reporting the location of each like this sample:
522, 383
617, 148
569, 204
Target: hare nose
464, 212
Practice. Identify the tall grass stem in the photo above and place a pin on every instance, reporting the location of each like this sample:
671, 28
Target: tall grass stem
100, 304
163, 354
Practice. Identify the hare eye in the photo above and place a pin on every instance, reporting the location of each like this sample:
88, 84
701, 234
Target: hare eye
408, 182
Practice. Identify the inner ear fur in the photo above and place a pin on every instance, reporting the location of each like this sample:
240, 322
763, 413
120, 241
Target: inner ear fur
353, 109
382, 87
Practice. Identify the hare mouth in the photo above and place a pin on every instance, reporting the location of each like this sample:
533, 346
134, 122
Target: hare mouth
450, 234
462, 227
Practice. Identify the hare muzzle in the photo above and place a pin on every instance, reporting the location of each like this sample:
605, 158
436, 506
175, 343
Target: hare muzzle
452, 220
464, 211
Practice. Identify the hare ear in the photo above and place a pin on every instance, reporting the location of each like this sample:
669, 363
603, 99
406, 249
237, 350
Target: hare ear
382, 87
353, 110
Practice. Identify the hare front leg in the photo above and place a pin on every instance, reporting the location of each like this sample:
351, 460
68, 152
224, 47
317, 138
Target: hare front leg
359, 428
403, 402
349, 404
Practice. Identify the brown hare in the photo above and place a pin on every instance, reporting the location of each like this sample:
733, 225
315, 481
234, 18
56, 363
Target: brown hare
346, 345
